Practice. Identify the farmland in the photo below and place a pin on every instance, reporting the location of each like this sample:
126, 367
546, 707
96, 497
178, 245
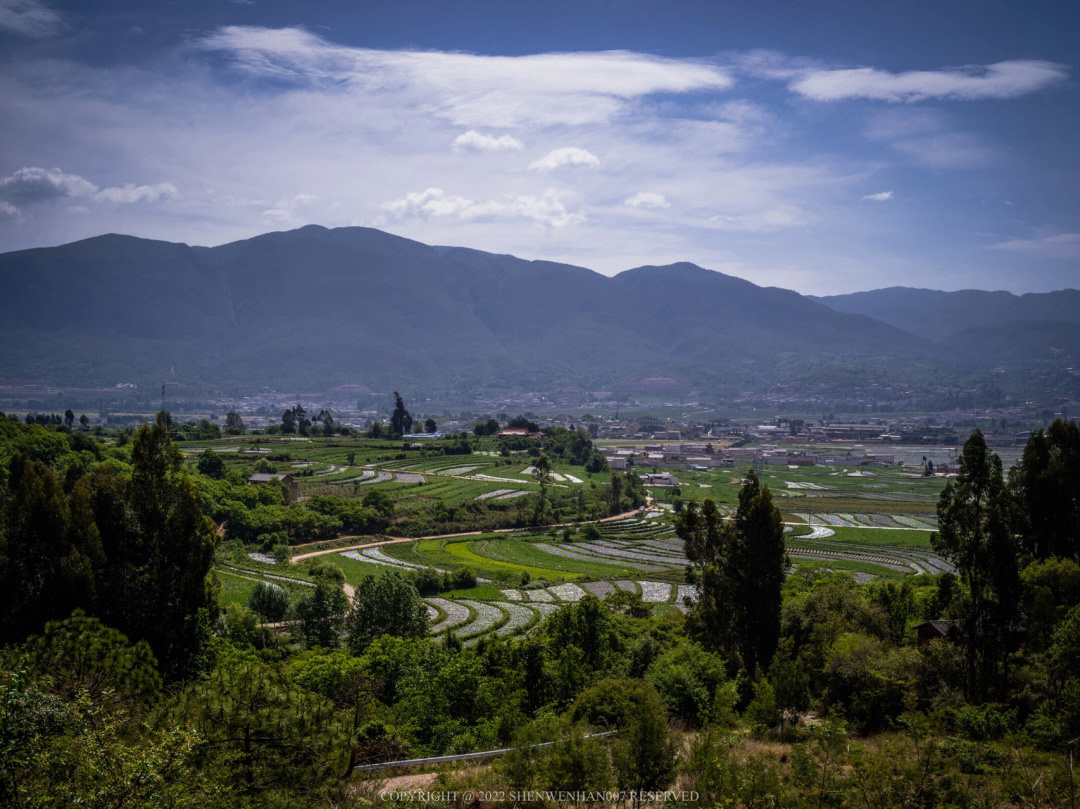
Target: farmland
473, 512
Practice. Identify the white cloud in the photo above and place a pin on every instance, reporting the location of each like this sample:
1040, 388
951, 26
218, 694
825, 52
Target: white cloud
131, 193
1058, 245
647, 199
1001, 80
566, 156
468, 89
7, 210
29, 18
544, 209
431, 202
485, 143
31, 184
880, 196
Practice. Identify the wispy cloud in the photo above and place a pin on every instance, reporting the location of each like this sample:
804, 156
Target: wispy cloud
478, 141
566, 156
928, 137
880, 196
30, 18
1056, 245
1000, 80
647, 199
470, 89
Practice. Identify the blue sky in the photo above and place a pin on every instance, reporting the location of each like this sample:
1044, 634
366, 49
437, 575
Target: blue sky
825, 147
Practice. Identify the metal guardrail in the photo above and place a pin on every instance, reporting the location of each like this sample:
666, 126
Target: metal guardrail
479, 756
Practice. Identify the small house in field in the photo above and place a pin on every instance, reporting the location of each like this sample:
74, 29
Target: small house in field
661, 480
525, 432
288, 480
937, 630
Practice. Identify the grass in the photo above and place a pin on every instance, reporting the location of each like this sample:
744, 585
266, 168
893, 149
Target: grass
902, 538
234, 589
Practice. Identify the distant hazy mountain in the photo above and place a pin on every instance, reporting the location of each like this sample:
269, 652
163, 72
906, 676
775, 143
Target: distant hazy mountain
313, 308
939, 315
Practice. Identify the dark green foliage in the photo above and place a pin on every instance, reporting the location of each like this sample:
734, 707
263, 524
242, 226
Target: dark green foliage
210, 464
47, 553
260, 736
321, 613
739, 570
644, 754
400, 420
1046, 487
80, 655
385, 605
974, 534
270, 602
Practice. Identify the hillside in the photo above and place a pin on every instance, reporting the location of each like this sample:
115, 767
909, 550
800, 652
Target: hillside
939, 315
314, 308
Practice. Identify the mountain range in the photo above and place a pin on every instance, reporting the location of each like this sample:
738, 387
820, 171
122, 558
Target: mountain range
314, 308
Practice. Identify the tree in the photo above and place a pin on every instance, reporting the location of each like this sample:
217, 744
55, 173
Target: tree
234, 422
1045, 487
430, 425
69, 417
385, 605
400, 420
84, 421
211, 464
614, 497
542, 473
260, 736
80, 655
158, 547
974, 535
47, 555
321, 612
739, 570
790, 684
269, 601
643, 753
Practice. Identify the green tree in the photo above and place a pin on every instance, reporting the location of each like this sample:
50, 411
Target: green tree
321, 613
429, 425
644, 753
385, 605
974, 535
790, 684
739, 571
400, 420
542, 473
47, 555
260, 737
269, 601
80, 655
211, 464
154, 583
69, 417
1045, 486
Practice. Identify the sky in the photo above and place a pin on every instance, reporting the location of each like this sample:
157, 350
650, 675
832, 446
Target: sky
825, 147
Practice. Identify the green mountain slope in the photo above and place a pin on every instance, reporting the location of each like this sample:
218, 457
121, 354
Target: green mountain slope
314, 308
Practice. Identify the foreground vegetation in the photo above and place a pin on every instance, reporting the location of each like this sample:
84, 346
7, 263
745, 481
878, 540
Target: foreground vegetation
133, 674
